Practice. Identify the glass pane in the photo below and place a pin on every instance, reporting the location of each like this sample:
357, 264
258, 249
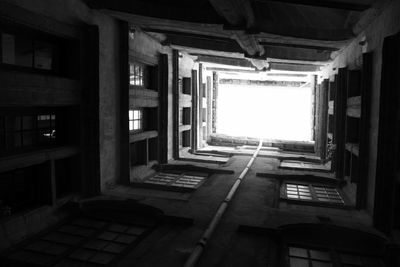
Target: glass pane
295, 262
136, 125
351, 259
43, 121
23, 52
17, 139
320, 255
136, 114
27, 122
130, 114
292, 196
321, 264
2, 141
130, 125
27, 138
17, 123
299, 252
43, 55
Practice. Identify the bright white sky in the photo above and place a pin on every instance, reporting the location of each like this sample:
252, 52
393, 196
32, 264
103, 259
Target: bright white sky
261, 111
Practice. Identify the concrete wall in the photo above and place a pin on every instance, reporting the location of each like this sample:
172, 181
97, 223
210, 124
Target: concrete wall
75, 12
145, 45
387, 23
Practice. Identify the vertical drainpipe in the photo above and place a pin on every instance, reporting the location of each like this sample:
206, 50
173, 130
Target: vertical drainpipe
202, 243
175, 104
214, 102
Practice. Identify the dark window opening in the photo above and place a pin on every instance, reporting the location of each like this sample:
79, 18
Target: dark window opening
186, 113
150, 119
185, 138
21, 132
353, 83
322, 257
67, 172
353, 130
26, 49
331, 124
143, 76
153, 149
138, 153
186, 86
24, 189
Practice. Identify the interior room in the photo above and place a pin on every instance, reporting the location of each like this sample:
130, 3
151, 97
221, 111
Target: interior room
200, 133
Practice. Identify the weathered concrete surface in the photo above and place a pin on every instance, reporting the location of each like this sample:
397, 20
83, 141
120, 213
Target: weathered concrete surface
75, 12
387, 23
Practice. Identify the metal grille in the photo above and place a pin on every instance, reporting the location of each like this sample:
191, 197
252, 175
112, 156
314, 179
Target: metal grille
181, 180
295, 191
81, 242
314, 193
328, 194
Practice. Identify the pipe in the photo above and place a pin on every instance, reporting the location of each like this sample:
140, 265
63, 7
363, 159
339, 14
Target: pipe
201, 244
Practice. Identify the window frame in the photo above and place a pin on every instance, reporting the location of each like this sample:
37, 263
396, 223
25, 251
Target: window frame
10, 131
335, 256
140, 120
35, 37
313, 194
143, 75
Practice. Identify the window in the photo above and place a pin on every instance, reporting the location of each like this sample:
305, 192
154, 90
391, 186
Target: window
310, 257
135, 120
302, 257
310, 192
137, 74
25, 51
22, 131
182, 180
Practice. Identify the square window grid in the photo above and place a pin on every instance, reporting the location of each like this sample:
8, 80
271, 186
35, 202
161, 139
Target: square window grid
135, 120
179, 180
303, 257
27, 131
310, 257
328, 194
81, 242
314, 193
137, 74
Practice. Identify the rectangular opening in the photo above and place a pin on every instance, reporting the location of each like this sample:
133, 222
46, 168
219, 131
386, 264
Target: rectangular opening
136, 120
185, 136
138, 153
186, 86
331, 123
354, 169
347, 163
352, 130
150, 117
25, 188
186, 113
204, 114
67, 172
153, 149
269, 109
31, 50
311, 192
203, 90
353, 83
332, 91
143, 76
